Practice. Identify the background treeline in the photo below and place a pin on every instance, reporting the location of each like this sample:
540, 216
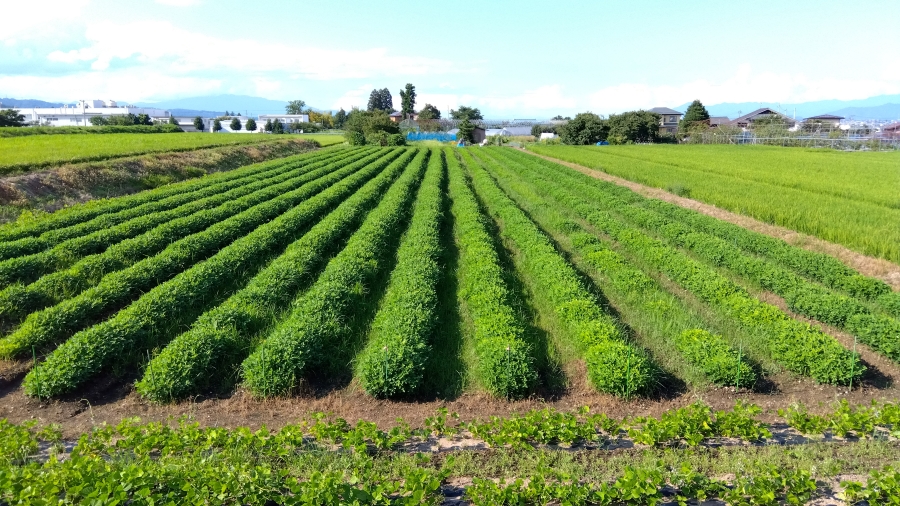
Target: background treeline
627, 128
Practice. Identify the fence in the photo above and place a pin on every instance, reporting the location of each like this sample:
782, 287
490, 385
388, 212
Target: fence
843, 143
430, 136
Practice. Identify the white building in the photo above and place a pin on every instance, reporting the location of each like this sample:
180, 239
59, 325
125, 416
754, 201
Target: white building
226, 125
283, 118
81, 113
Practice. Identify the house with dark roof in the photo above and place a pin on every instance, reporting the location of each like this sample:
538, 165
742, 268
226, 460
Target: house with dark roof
669, 118
891, 131
717, 121
827, 120
762, 114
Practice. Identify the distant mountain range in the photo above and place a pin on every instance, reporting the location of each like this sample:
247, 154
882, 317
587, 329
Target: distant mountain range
243, 104
12, 102
882, 107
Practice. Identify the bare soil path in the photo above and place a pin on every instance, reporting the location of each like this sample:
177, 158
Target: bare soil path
866, 265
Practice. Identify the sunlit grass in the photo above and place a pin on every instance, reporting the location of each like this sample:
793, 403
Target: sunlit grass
24, 153
847, 198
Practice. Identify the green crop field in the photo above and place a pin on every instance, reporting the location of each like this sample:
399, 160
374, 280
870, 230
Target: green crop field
333, 265
28, 152
851, 198
421, 273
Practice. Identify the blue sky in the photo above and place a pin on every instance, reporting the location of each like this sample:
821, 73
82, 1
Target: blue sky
512, 59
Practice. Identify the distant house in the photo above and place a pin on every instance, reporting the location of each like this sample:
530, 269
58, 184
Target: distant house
764, 113
891, 131
717, 121
826, 120
396, 117
669, 118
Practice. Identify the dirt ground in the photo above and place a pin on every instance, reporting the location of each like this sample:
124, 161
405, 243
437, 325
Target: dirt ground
869, 266
111, 401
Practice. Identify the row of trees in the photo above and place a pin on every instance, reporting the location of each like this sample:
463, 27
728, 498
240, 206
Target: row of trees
628, 127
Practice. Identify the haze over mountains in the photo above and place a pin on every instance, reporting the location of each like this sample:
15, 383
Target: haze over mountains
882, 107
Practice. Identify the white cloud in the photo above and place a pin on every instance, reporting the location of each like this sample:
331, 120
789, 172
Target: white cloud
539, 99
179, 3
184, 51
357, 97
746, 85
35, 19
124, 86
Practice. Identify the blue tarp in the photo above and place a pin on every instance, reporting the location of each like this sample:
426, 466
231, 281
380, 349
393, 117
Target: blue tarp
430, 136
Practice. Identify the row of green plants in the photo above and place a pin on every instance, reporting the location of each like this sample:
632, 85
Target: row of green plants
614, 365
19, 300
660, 313
321, 331
687, 426
122, 341
164, 128
505, 360
122, 206
68, 246
181, 462
802, 296
393, 361
845, 420
220, 338
646, 486
45, 328
818, 266
838, 198
109, 224
798, 346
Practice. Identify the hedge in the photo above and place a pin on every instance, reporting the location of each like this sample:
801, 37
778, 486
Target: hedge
18, 300
614, 365
46, 328
220, 339
325, 319
393, 360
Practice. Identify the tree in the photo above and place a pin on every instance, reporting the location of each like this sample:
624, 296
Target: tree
98, 121
340, 118
559, 117
277, 126
634, 126
11, 118
373, 126
250, 125
268, 126
694, 114
198, 124
586, 128
325, 120
295, 107
537, 130
408, 101
217, 125
172, 120
469, 113
381, 100
429, 112
143, 119
235, 125
466, 130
